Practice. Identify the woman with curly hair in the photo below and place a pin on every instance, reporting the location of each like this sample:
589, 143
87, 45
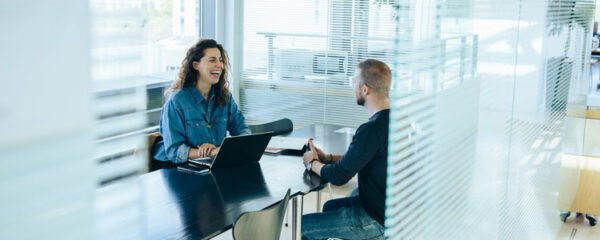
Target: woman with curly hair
199, 109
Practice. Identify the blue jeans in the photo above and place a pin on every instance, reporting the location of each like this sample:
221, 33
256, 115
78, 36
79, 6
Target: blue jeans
341, 218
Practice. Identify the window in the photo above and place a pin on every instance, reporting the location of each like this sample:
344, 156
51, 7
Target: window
137, 49
300, 65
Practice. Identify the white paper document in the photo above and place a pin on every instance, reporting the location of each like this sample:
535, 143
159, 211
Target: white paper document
287, 143
346, 130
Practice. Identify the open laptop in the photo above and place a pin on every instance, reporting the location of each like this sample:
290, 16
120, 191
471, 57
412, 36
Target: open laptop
237, 150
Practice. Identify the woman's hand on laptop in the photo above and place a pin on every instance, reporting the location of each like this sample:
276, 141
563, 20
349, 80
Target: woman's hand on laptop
214, 151
205, 150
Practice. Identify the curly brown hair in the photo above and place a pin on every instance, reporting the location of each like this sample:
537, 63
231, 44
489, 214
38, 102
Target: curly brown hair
188, 75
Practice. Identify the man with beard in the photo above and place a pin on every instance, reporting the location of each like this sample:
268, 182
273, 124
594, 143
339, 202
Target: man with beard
362, 216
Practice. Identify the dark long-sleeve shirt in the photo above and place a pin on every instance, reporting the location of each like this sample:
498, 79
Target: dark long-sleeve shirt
367, 156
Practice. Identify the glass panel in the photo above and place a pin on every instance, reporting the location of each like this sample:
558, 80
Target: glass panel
480, 95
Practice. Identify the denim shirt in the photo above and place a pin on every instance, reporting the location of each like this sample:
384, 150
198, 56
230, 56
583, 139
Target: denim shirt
183, 124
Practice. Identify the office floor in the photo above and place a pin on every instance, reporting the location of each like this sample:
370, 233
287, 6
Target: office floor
578, 192
578, 229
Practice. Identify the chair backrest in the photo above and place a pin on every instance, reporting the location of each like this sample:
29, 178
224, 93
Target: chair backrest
265, 224
278, 127
152, 138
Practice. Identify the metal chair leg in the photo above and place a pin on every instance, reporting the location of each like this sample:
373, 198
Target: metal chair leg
319, 207
297, 217
287, 215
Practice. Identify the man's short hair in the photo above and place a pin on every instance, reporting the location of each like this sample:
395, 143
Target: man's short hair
376, 75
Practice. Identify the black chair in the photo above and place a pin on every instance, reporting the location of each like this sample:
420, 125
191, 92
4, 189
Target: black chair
264, 224
278, 127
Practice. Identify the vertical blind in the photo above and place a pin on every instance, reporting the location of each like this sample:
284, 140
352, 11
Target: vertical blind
479, 99
299, 56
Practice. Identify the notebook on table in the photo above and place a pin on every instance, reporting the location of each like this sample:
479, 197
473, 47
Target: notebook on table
289, 145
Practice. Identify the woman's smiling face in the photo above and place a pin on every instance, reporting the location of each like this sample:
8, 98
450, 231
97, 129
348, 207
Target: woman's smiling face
210, 66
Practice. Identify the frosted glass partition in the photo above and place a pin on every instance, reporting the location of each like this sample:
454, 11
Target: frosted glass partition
479, 101
47, 176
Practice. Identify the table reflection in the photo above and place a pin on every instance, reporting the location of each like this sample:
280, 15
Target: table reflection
209, 201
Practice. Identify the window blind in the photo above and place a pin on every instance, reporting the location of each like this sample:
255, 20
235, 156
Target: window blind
479, 101
298, 58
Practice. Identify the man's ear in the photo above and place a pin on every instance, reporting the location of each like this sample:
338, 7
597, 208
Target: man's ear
366, 90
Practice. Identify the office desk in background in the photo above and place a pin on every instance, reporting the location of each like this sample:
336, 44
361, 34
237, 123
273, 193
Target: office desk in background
170, 204
335, 138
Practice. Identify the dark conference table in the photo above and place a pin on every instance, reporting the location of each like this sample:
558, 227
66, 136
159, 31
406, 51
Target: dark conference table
182, 205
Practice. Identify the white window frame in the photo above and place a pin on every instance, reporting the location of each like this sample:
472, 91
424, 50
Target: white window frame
229, 31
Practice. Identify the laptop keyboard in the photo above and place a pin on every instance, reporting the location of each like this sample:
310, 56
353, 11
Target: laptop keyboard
203, 161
